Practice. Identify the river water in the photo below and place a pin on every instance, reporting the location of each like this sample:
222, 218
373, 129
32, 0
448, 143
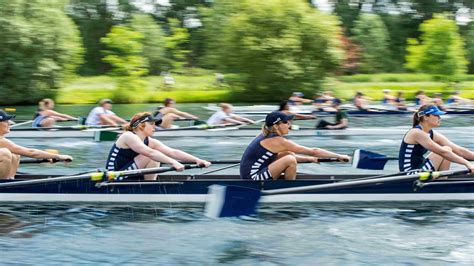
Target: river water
280, 234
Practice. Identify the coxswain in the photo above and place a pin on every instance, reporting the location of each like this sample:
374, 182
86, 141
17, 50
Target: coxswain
422, 138
47, 117
341, 118
10, 152
136, 149
270, 154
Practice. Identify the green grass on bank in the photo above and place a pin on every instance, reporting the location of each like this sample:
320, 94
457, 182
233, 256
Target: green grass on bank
200, 86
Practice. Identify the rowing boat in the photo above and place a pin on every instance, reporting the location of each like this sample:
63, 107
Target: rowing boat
186, 188
262, 110
100, 135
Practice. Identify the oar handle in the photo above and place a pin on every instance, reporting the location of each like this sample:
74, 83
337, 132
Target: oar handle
35, 160
330, 160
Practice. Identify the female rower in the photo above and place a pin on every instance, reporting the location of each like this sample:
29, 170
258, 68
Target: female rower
102, 115
421, 138
10, 152
135, 149
46, 116
421, 98
168, 113
285, 108
270, 154
225, 117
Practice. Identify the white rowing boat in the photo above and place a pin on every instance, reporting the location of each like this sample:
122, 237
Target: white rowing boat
103, 134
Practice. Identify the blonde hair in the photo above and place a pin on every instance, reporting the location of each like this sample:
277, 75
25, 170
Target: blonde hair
45, 103
135, 117
266, 130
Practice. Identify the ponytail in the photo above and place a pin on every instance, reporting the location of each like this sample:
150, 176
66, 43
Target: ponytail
418, 116
266, 130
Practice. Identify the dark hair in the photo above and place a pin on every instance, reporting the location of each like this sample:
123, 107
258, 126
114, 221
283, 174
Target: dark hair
282, 105
417, 118
168, 101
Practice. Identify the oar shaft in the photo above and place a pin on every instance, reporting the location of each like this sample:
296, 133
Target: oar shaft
357, 183
34, 160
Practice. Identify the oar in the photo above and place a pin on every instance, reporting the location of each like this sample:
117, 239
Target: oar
95, 176
363, 159
22, 123
229, 127
35, 160
229, 201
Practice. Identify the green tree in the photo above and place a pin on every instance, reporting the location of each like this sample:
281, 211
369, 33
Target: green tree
94, 19
440, 50
276, 46
39, 47
372, 37
470, 46
124, 50
153, 42
177, 44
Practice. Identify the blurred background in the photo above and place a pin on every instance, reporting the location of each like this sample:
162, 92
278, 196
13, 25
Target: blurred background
139, 51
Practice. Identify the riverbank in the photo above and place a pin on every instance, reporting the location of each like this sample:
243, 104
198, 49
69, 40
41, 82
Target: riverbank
202, 86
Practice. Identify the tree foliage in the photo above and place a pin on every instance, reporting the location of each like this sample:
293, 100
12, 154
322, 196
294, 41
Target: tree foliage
177, 44
124, 50
276, 45
470, 46
94, 19
372, 37
154, 45
39, 47
440, 50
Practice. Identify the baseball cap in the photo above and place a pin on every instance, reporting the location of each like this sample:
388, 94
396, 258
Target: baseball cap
336, 101
103, 101
433, 110
275, 117
4, 116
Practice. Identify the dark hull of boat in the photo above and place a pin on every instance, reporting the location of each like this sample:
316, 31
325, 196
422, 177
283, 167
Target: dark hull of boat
183, 189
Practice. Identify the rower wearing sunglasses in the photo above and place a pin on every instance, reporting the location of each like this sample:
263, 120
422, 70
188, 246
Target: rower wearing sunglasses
136, 149
421, 138
270, 154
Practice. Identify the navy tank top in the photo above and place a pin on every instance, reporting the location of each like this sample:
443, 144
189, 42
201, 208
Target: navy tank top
256, 157
411, 156
120, 158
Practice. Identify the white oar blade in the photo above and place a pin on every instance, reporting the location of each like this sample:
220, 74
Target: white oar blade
363, 159
231, 201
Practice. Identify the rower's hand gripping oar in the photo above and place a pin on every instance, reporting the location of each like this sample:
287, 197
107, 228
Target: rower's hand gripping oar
231, 201
96, 176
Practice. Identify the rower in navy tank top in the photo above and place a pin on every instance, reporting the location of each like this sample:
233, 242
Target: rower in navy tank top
411, 156
256, 159
421, 139
136, 149
120, 159
269, 155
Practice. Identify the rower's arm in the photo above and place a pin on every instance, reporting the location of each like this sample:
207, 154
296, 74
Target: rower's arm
137, 145
174, 153
241, 118
424, 140
184, 114
344, 123
30, 152
287, 145
461, 151
61, 115
232, 120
